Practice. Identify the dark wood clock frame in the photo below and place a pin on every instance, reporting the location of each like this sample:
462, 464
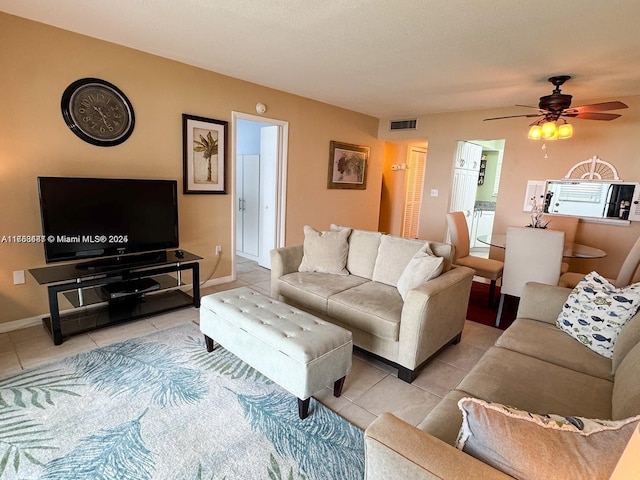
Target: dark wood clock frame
105, 96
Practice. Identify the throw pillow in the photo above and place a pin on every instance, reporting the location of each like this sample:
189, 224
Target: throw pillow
325, 252
531, 446
596, 311
422, 267
393, 256
363, 250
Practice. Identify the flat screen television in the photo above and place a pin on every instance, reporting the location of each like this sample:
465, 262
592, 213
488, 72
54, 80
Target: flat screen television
106, 217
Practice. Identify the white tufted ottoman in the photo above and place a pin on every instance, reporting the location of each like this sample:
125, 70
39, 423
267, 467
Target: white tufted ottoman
298, 351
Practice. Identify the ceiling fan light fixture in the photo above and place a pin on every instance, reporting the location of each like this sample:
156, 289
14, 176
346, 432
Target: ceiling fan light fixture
552, 109
535, 132
565, 131
549, 130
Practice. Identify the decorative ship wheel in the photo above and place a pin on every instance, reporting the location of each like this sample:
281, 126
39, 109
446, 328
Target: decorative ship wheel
593, 169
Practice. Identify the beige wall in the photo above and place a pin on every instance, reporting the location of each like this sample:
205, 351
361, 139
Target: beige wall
38, 62
613, 141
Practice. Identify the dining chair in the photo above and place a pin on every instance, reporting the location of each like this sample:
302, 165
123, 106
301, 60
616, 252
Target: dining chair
625, 275
484, 267
531, 255
568, 225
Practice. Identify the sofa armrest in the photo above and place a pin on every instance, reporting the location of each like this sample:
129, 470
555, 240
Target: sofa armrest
396, 450
542, 302
433, 314
284, 260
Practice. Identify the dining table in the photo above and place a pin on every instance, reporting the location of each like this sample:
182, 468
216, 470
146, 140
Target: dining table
571, 249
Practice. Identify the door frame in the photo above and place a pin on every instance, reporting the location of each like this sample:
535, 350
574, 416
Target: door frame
281, 178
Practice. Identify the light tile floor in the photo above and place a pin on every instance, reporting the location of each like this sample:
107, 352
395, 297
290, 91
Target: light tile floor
370, 389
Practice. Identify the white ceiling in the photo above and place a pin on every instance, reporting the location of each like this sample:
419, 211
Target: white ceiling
386, 58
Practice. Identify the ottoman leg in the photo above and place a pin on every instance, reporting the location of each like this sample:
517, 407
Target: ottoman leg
303, 408
209, 342
337, 386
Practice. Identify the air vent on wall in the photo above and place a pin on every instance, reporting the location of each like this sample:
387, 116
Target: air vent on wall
411, 124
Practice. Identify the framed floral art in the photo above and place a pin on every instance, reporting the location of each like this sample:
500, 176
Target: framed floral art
347, 166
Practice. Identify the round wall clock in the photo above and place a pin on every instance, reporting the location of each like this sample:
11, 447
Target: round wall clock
98, 112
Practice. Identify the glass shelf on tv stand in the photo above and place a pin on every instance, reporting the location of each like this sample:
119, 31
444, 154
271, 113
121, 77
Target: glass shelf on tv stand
92, 311
89, 296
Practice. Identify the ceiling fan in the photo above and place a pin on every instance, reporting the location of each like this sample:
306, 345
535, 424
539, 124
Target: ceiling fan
557, 106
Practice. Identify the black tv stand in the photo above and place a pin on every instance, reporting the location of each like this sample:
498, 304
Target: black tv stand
108, 296
123, 261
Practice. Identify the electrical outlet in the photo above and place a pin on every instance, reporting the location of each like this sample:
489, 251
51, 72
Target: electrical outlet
18, 277
218, 250
434, 192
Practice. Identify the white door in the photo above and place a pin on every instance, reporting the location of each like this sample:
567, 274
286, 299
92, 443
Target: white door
414, 181
268, 193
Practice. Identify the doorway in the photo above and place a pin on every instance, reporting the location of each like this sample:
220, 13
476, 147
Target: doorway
403, 170
259, 196
474, 188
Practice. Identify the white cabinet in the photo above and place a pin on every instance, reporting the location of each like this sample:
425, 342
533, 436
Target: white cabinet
465, 180
482, 225
468, 156
248, 201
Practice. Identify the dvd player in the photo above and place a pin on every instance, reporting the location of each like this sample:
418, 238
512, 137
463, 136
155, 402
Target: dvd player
113, 291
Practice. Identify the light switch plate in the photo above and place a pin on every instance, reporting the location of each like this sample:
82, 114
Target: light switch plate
18, 277
434, 192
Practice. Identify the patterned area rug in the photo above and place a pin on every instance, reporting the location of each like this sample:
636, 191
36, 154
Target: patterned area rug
161, 407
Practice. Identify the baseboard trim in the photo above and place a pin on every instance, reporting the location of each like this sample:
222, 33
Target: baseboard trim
22, 323
217, 281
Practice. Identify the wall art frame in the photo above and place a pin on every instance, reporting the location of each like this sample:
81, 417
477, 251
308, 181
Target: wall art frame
204, 143
347, 166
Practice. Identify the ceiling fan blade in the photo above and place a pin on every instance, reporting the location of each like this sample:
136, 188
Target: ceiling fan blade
600, 107
592, 115
527, 106
514, 116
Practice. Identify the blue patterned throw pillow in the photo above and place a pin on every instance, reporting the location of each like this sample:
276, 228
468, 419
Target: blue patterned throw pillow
596, 311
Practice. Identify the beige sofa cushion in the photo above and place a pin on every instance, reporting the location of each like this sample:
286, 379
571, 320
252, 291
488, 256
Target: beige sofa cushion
546, 342
629, 338
325, 252
394, 254
372, 307
538, 386
313, 289
626, 390
445, 419
521, 444
363, 250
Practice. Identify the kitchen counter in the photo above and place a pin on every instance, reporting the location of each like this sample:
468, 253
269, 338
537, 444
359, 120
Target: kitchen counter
484, 206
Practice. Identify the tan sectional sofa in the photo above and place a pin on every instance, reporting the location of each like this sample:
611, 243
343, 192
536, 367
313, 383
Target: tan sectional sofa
533, 366
367, 302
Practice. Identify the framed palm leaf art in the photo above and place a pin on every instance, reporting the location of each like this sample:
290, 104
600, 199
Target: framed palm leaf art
347, 166
204, 155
